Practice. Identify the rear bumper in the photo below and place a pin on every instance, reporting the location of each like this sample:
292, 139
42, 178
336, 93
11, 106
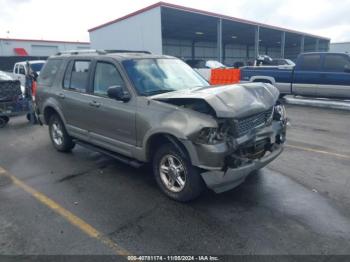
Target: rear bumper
221, 181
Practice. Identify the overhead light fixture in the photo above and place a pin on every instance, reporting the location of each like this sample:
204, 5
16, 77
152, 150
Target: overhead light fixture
278, 42
260, 40
234, 37
199, 33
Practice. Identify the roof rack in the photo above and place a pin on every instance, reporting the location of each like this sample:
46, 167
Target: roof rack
127, 51
81, 51
100, 52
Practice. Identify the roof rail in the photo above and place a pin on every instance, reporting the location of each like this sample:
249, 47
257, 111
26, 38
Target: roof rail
100, 52
127, 51
81, 51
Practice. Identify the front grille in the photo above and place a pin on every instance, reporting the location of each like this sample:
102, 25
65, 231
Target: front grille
252, 122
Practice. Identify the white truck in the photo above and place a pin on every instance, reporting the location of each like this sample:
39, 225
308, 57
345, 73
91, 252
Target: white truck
20, 69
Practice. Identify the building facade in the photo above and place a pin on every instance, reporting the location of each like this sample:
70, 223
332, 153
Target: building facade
37, 48
195, 34
343, 47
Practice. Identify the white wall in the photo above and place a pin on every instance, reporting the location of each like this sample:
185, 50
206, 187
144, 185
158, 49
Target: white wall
340, 47
37, 48
139, 32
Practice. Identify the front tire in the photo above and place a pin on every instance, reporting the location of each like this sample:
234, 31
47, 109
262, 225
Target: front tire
175, 175
59, 136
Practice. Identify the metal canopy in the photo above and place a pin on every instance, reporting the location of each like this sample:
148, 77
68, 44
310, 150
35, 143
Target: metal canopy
198, 27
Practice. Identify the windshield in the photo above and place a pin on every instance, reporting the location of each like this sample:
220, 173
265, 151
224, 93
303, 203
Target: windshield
156, 76
37, 67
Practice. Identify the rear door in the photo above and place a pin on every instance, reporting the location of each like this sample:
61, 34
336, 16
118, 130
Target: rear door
335, 78
307, 75
112, 123
73, 97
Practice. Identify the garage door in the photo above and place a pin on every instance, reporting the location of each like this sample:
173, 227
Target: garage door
44, 50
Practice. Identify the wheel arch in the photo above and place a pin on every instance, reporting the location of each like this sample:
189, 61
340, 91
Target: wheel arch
157, 139
263, 79
51, 109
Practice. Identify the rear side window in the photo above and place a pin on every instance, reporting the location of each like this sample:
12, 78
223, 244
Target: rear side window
311, 63
77, 76
48, 74
336, 63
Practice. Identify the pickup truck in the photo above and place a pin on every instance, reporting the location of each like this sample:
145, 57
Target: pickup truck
20, 69
315, 74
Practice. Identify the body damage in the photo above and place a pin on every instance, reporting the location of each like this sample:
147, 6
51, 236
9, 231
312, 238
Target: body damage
225, 129
231, 101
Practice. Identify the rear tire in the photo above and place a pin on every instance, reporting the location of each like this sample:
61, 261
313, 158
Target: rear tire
175, 175
59, 136
3, 121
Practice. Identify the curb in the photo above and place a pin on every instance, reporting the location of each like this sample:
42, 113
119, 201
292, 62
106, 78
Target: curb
324, 103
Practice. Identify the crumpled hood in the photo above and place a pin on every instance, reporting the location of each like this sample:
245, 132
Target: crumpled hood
231, 101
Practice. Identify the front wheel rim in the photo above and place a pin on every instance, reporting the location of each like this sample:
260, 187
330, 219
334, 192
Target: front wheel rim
57, 133
172, 173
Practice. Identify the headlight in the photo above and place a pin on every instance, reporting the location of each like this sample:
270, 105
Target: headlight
280, 113
210, 136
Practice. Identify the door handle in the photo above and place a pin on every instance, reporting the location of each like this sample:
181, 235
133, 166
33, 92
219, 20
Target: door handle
95, 104
61, 95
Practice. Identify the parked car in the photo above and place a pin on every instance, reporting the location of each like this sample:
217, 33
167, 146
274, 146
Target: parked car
4, 76
12, 99
20, 69
315, 74
204, 67
282, 62
265, 60
143, 108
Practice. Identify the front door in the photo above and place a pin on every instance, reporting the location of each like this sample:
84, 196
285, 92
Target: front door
111, 122
307, 75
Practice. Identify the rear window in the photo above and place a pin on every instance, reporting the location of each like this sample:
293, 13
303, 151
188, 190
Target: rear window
311, 63
336, 63
48, 74
37, 67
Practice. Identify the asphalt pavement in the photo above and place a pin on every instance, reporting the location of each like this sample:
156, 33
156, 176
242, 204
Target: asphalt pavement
84, 202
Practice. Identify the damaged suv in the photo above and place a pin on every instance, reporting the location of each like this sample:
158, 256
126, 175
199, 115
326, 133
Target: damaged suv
143, 108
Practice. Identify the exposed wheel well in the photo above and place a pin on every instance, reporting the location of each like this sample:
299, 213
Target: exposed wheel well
262, 81
48, 112
155, 141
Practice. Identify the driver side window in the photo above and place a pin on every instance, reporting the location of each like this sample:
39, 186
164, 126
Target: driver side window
106, 75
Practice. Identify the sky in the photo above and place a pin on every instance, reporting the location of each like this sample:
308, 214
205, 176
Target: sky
69, 20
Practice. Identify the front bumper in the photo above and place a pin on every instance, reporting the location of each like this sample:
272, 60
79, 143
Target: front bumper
221, 181
218, 175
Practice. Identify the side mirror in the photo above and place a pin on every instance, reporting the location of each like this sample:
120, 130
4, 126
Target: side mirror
347, 68
118, 93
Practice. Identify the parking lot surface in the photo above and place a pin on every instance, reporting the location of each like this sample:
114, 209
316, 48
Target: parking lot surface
86, 203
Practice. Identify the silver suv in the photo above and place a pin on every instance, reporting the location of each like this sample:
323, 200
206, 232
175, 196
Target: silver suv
143, 108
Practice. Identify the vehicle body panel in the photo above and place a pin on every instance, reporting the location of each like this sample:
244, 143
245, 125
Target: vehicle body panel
318, 82
128, 127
